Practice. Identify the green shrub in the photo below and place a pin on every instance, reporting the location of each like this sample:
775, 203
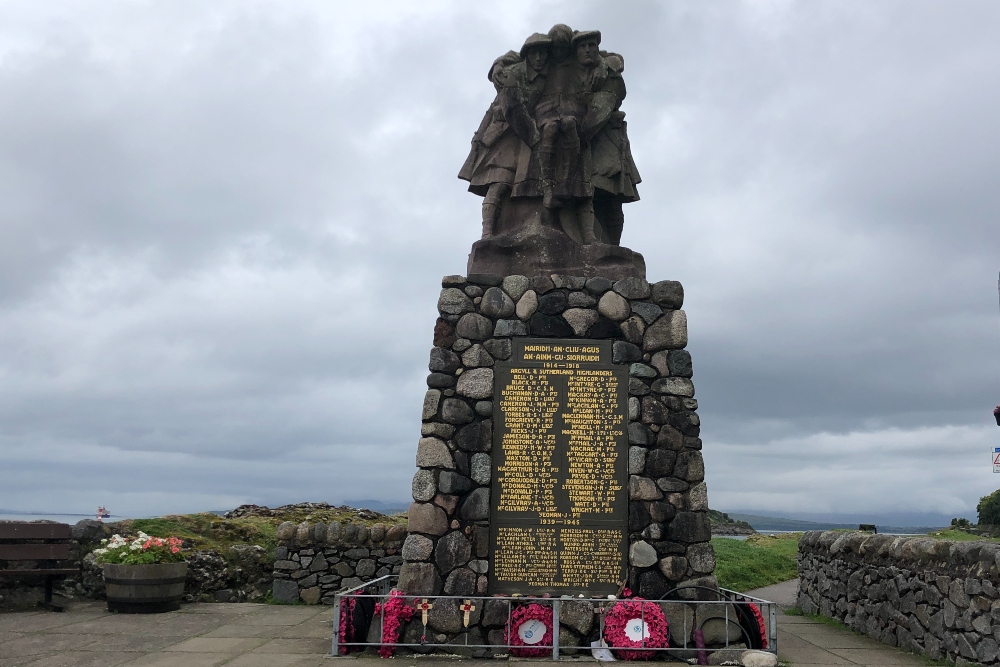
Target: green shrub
989, 509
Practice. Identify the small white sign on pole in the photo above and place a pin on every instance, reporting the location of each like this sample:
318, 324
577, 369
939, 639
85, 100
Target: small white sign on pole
996, 459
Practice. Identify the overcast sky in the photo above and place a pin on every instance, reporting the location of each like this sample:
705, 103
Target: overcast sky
223, 227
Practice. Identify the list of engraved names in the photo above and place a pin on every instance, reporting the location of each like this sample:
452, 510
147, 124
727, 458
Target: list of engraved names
559, 515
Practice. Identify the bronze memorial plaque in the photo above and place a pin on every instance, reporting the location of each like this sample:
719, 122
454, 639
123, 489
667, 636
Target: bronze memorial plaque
559, 520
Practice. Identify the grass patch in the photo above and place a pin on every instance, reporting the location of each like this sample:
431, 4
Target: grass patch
760, 560
211, 531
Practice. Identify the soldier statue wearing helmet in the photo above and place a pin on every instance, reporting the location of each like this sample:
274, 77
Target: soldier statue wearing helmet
554, 146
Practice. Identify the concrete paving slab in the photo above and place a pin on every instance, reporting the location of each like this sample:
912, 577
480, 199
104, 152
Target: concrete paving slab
89, 625
796, 620
246, 631
22, 622
277, 660
43, 643
314, 646
137, 643
833, 638
227, 608
321, 628
15, 662
171, 624
161, 659
880, 657
272, 618
215, 645
784, 594
799, 652
81, 659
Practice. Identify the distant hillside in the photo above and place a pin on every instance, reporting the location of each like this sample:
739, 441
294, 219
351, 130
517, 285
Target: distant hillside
880, 517
723, 524
391, 507
765, 523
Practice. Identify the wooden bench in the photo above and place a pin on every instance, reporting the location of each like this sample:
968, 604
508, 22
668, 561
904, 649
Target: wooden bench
36, 550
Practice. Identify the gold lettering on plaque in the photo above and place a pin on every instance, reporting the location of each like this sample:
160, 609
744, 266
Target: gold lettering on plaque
528, 475
560, 513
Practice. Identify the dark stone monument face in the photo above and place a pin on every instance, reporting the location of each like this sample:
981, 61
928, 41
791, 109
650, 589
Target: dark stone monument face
560, 516
552, 161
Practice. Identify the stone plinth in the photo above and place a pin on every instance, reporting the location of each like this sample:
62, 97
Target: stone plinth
536, 248
448, 549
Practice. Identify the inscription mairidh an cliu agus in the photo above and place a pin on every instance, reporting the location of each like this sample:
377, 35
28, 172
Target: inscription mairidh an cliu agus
559, 523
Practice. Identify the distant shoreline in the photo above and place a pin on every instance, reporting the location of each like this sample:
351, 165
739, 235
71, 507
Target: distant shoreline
18, 513
6, 515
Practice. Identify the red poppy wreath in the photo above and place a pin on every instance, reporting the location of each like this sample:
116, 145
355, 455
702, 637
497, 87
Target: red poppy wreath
529, 631
635, 624
760, 624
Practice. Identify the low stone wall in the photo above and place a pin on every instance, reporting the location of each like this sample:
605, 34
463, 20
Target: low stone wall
315, 560
243, 574
933, 597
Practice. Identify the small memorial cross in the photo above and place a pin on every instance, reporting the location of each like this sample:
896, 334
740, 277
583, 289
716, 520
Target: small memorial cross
599, 609
467, 608
424, 606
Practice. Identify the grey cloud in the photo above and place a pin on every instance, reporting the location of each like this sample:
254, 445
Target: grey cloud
223, 230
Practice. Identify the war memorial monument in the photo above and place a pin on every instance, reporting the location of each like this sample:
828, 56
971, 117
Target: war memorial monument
559, 450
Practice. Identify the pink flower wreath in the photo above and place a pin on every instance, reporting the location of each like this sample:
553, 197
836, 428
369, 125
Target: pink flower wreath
623, 627
394, 612
518, 617
346, 626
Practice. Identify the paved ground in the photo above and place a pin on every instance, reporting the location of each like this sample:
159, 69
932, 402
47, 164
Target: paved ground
806, 643
199, 635
254, 635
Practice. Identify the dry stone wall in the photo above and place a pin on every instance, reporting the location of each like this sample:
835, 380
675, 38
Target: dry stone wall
934, 597
314, 560
447, 550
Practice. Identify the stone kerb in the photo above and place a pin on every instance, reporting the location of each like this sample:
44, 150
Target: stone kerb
933, 597
315, 560
447, 550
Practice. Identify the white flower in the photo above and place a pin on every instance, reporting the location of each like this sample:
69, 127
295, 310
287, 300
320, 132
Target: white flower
136, 547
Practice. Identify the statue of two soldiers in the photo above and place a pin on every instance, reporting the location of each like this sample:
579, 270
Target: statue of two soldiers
555, 133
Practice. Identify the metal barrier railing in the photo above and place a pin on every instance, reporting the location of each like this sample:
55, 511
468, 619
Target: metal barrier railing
728, 600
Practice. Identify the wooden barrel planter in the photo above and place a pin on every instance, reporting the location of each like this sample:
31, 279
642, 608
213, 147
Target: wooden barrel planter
144, 589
